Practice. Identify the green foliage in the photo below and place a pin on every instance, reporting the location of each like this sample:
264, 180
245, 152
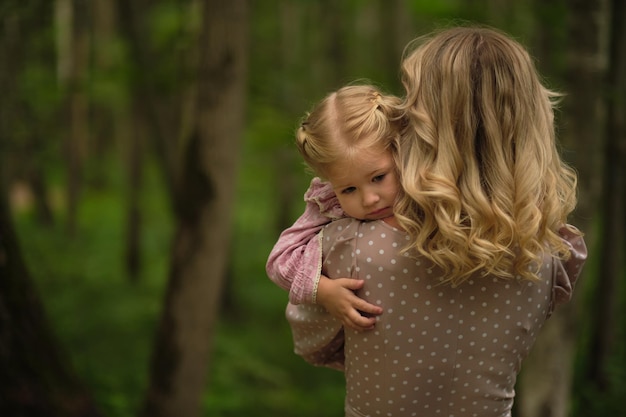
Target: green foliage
591, 400
39, 91
436, 9
109, 85
104, 321
256, 373
106, 324
171, 31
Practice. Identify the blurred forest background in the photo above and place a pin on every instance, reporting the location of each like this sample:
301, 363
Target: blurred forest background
148, 166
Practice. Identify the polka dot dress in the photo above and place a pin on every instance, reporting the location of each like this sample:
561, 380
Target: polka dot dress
436, 350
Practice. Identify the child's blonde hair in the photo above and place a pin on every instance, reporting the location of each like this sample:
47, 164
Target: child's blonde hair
353, 118
485, 188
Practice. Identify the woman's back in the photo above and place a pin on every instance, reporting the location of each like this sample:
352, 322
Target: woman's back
436, 349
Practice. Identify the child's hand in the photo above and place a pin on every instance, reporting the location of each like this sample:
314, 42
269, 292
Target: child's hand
338, 297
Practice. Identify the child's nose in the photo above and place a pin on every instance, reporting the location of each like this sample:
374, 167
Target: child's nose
370, 199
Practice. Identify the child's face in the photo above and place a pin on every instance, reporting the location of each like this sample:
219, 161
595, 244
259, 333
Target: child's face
367, 185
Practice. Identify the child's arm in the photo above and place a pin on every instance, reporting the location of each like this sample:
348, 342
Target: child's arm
566, 272
294, 263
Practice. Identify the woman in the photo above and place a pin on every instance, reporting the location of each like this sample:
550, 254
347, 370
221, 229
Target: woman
482, 253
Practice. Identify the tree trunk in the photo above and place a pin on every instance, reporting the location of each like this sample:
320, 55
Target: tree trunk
612, 246
73, 50
290, 56
38, 185
36, 379
547, 376
20, 136
106, 114
584, 106
203, 207
156, 106
133, 212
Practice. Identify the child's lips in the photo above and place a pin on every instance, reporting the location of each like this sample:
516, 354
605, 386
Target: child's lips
380, 212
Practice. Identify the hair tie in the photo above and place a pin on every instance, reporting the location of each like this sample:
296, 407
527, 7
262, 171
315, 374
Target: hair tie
376, 100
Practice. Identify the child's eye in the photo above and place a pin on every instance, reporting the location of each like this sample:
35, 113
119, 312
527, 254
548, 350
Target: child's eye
348, 190
378, 178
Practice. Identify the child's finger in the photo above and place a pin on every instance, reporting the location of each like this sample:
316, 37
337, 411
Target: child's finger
367, 308
359, 322
350, 283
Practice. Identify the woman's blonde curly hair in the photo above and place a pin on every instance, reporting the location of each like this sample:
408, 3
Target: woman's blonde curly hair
485, 190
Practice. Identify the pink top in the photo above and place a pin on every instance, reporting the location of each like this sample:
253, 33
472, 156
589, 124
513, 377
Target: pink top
436, 349
295, 261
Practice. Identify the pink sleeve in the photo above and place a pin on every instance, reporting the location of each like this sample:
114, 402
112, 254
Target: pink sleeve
295, 262
566, 273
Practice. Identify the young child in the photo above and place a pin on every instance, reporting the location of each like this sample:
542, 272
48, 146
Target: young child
483, 255
349, 139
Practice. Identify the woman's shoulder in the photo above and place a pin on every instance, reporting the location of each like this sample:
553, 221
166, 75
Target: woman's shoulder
363, 235
362, 227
